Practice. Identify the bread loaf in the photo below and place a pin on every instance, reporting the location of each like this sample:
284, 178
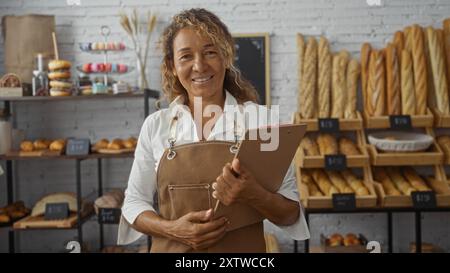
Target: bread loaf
111, 199
323, 182
309, 80
300, 61
415, 180
419, 69
365, 56
348, 147
392, 81
355, 183
327, 144
440, 187
324, 80
407, 91
309, 146
339, 182
353, 71
446, 40
381, 176
431, 96
400, 182
377, 83
338, 92
438, 67
63, 197
399, 43
408, 38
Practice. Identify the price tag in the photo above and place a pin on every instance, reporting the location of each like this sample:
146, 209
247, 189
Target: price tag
78, 147
328, 125
423, 199
54, 211
344, 201
400, 122
335, 162
109, 215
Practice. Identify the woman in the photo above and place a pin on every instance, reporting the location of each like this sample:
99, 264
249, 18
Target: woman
198, 64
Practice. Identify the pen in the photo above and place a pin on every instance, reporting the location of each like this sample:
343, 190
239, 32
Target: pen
218, 202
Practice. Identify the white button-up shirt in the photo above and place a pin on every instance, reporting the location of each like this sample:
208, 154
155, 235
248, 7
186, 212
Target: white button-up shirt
152, 142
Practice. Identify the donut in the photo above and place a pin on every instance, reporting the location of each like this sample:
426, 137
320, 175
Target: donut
59, 75
56, 92
60, 84
58, 65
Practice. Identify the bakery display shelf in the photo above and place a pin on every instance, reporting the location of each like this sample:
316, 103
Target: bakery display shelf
440, 120
11, 223
65, 157
312, 125
432, 156
326, 202
38, 222
152, 94
318, 161
129, 69
405, 201
383, 122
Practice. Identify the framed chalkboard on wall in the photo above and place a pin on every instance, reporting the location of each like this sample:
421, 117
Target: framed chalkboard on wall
253, 60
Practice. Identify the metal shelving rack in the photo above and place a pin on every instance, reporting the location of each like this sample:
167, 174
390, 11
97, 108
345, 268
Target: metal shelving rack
147, 94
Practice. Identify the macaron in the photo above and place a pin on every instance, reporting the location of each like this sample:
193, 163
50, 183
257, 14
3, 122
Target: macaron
122, 68
86, 68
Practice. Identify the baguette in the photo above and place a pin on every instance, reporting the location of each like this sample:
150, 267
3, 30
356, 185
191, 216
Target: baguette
355, 183
301, 56
446, 39
348, 147
377, 83
419, 69
339, 182
307, 179
309, 79
438, 186
392, 81
324, 80
365, 56
338, 87
415, 180
408, 38
327, 144
431, 90
309, 146
400, 182
353, 71
438, 67
387, 184
407, 91
323, 182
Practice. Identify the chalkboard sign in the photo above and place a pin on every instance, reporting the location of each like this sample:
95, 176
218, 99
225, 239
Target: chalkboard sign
328, 125
252, 59
423, 199
78, 147
335, 162
400, 122
55, 211
344, 201
109, 215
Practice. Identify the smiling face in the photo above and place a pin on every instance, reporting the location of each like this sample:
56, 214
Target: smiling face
198, 65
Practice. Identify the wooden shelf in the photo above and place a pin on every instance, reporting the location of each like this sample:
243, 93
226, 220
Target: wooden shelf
312, 125
38, 222
440, 120
433, 156
65, 157
383, 122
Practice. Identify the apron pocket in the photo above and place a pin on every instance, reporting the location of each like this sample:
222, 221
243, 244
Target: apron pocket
189, 197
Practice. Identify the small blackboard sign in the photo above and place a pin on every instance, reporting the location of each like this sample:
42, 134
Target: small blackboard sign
424, 199
56, 211
400, 122
335, 162
109, 215
78, 146
328, 125
344, 201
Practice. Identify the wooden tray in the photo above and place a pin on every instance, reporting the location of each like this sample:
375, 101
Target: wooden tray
433, 156
417, 121
440, 120
38, 153
312, 125
319, 202
318, 161
31, 222
121, 151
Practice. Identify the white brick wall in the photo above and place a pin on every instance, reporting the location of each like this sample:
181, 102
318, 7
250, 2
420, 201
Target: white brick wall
346, 23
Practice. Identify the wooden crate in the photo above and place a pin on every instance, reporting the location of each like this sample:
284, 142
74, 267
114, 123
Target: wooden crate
312, 125
442, 200
417, 121
433, 156
314, 202
440, 120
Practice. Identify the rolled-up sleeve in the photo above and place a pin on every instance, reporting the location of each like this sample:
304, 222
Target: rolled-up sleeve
141, 186
299, 230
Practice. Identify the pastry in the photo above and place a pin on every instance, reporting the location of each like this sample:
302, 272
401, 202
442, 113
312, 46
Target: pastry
365, 56
338, 88
111, 199
419, 69
56, 92
327, 144
309, 146
56, 75
60, 84
348, 147
64, 197
392, 81
399, 181
26, 146
389, 188
355, 183
339, 182
59, 65
129, 144
101, 144
353, 71
439, 75
323, 182
4, 218
335, 240
407, 91
351, 240
309, 77
58, 145
40, 144
116, 144
324, 78
415, 180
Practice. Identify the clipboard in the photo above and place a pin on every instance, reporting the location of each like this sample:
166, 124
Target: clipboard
269, 167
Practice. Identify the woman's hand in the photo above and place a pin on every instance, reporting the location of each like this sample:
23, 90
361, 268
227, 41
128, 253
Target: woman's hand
197, 229
229, 189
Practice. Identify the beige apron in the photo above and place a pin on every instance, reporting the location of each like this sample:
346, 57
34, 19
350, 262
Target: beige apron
184, 179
